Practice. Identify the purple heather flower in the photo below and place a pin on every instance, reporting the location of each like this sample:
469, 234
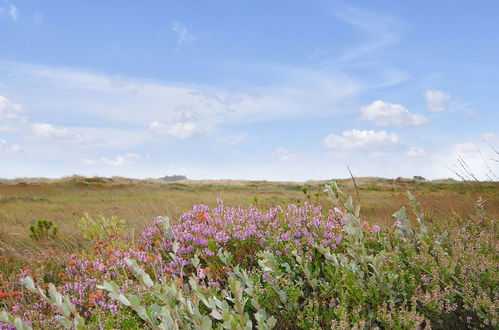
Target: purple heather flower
208, 252
16, 308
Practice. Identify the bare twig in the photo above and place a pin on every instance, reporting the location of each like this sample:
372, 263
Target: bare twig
466, 168
354, 183
465, 180
490, 173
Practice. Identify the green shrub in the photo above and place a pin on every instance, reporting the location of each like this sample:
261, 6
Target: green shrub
43, 228
101, 227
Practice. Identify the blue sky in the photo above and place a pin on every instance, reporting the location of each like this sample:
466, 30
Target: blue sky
275, 90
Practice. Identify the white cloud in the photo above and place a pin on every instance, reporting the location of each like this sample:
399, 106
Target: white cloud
88, 161
471, 113
437, 100
13, 12
393, 115
233, 140
10, 148
10, 115
357, 139
381, 31
122, 160
115, 102
38, 17
103, 98
476, 158
473, 160
285, 155
464, 148
8, 110
177, 130
490, 137
378, 32
416, 152
43, 131
183, 33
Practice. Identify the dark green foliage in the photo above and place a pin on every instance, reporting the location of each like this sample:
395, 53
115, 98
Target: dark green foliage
43, 228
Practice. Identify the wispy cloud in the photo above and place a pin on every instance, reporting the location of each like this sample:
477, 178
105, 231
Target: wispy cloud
232, 140
38, 17
416, 152
381, 31
13, 12
183, 33
176, 130
122, 160
8, 109
437, 101
43, 131
285, 155
88, 161
471, 113
104, 98
377, 33
10, 10
11, 115
10, 148
185, 125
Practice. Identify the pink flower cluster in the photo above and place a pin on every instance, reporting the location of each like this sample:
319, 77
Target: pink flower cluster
202, 230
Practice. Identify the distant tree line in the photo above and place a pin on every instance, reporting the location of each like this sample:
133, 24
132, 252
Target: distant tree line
174, 178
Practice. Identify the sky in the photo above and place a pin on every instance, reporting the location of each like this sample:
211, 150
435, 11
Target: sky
259, 90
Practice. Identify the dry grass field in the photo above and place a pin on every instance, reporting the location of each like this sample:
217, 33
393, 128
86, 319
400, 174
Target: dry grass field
449, 206
66, 200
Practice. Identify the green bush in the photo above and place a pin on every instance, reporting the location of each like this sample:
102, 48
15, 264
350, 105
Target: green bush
101, 227
43, 228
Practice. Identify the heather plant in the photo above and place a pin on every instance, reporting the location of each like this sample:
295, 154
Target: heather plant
244, 232
69, 317
454, 280
317, 294
43, 228
14, 321
292, 266
193, 305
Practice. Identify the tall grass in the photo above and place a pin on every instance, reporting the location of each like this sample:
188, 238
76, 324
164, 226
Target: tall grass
287, 266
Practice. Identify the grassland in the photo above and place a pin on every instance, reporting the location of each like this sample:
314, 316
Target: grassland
139, 202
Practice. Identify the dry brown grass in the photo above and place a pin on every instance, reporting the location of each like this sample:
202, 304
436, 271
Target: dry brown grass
64, 201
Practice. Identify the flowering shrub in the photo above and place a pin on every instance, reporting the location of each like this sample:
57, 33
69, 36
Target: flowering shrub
297, 266
202, 231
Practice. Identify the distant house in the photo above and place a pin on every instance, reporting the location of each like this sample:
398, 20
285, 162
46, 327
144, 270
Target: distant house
171, 178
